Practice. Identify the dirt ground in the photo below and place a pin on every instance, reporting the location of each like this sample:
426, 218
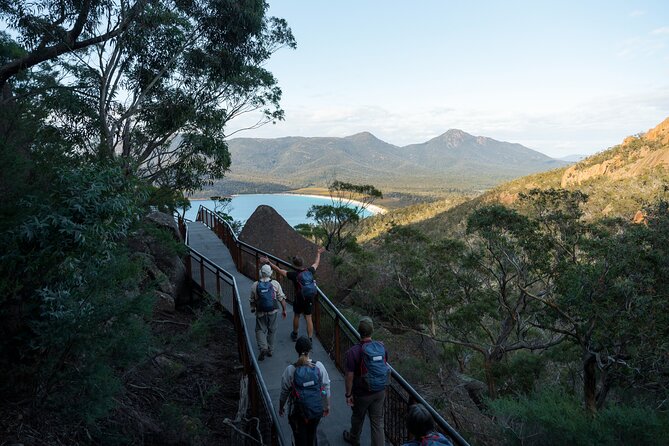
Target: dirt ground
181, 395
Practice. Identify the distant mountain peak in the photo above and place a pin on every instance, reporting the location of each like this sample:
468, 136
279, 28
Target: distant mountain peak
454, 136
362, 136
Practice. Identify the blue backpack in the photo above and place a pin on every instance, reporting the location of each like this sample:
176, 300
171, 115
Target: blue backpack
373, 367
431, 439
306, 285
266, 296
307, 392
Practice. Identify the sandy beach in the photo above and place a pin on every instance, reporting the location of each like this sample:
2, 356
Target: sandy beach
371, 208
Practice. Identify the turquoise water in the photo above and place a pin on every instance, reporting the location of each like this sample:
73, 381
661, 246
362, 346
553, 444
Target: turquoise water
293, 208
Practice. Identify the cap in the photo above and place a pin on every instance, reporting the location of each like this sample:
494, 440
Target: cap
365, 327
302, 345
266, 271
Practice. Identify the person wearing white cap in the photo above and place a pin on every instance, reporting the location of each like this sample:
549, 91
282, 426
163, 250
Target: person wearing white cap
266, 295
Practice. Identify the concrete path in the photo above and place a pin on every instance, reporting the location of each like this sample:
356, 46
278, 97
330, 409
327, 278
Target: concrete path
330, 428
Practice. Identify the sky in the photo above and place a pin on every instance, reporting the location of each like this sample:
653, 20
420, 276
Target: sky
560, 77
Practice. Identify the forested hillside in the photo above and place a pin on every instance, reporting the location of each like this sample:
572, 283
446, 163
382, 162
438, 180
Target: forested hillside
550, 291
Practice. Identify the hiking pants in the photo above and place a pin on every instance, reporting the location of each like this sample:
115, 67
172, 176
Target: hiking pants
304, 432
372, 404
265, 329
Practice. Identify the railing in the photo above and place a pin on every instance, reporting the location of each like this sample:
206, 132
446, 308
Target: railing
335, 333
259, 420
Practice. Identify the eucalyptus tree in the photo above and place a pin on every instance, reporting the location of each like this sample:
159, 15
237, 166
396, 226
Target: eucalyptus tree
153, 83
608, 295
472, 293
336, 222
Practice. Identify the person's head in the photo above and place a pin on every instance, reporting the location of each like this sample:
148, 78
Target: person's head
265, 272
298, 261
419, 421
365, 327
303, 348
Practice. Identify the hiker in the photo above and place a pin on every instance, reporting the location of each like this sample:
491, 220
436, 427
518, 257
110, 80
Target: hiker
305, 290
306, 385
421, 427
266, 295
366, 378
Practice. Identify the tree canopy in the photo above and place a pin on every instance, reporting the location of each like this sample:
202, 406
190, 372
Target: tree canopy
152, 83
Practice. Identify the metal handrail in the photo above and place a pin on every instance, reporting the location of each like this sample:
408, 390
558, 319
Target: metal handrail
245, 347
223, 230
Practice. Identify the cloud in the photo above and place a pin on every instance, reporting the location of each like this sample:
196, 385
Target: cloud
664, 31
637, 13
647, 46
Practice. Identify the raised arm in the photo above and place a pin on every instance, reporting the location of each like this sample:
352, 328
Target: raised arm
318, 257
274, 267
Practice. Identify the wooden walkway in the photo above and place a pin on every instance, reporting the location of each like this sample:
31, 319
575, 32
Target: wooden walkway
330, 429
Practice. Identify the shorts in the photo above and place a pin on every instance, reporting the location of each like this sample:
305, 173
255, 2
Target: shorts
303, 306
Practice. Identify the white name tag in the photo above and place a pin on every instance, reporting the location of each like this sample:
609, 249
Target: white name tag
377, 358
308, 384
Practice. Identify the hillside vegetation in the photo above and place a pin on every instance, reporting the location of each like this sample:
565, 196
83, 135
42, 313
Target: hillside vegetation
546, 291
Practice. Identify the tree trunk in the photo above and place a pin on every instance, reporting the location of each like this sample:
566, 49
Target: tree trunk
590, 382
489, 377
604, 387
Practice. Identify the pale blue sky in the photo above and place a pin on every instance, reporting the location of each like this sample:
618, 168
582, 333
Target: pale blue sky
560, 77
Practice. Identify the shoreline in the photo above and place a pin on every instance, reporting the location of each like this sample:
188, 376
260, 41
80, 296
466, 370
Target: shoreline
371, 208
374, 209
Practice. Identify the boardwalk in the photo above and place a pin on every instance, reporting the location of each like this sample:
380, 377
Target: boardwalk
330, 429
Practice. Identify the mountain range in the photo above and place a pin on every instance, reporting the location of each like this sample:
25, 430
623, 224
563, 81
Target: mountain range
455, 160
619, 182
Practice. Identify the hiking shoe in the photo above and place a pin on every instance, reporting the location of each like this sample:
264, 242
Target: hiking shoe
269, 353
293, 336
348, 439
262, 355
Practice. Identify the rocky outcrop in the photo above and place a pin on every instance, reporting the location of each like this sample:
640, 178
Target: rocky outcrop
625, 162
164, 271
267, 230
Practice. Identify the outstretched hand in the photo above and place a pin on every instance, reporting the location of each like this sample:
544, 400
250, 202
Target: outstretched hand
321, 250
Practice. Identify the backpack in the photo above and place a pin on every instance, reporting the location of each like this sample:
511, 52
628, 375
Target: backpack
431, 439
265, 296
373, 367
306, 285
307, 392
435, 439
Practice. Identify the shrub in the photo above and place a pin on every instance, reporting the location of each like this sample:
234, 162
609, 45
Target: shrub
553, 417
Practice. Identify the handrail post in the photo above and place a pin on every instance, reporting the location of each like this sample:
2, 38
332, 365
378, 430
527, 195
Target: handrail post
337, 338
202, 275
218, 285
258, 264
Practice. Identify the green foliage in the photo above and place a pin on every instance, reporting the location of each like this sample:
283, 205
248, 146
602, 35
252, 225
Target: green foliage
222, 208
336, 222
154, 83
72, 315
168, 200
553, 417
523, 282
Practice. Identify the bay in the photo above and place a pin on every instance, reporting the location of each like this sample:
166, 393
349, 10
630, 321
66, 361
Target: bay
293, 208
